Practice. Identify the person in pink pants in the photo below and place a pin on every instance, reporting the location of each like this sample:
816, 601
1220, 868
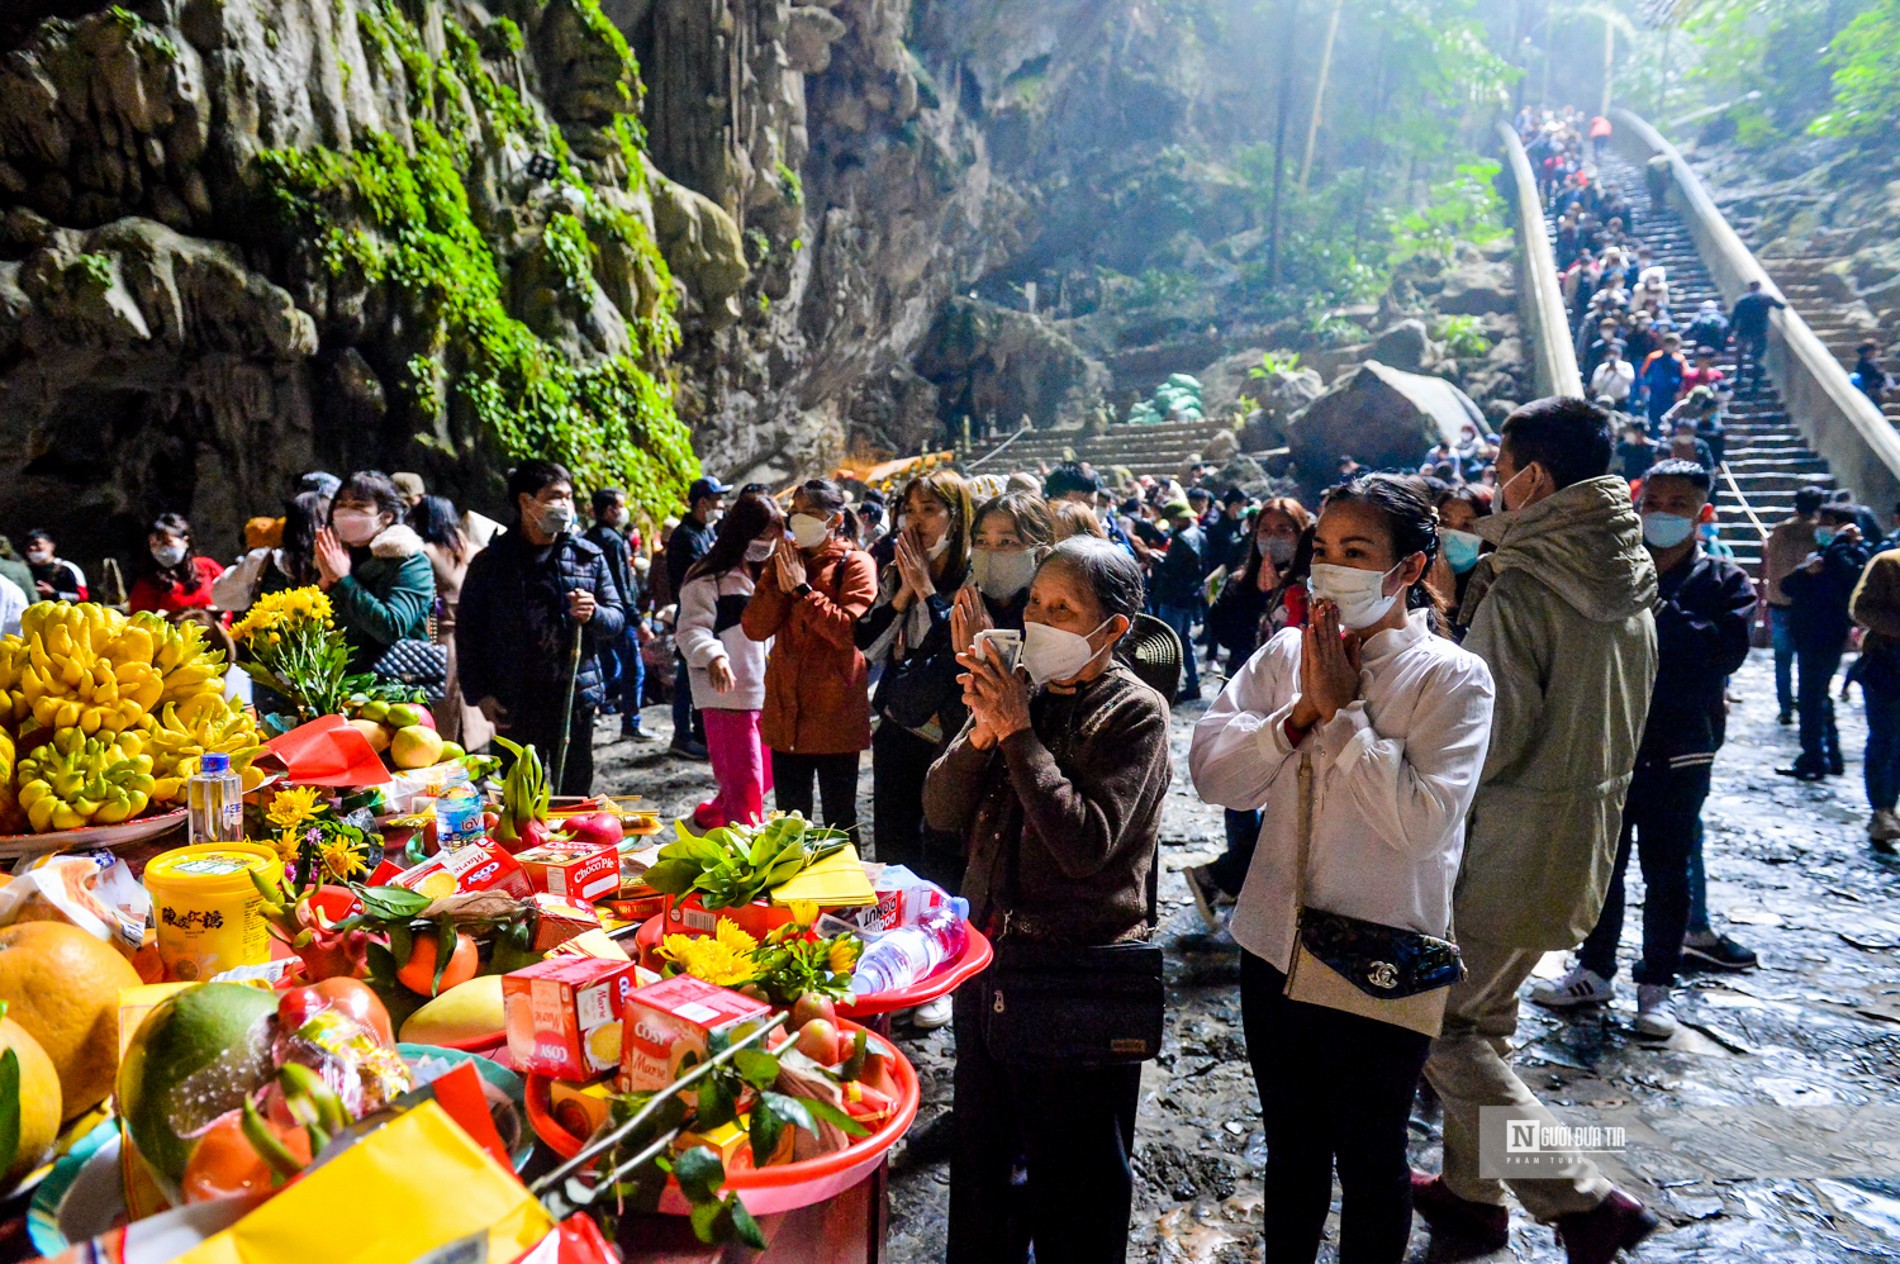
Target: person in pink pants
727, 668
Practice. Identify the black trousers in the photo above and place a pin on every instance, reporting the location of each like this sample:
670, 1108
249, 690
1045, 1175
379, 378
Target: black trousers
1229, 869
1660, 818
1814, 669
899, 762
837, 779
1335, 1088
542, 729
1072, 1128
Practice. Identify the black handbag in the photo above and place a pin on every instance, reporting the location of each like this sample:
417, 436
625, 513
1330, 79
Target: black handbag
1101, 1005
417, 663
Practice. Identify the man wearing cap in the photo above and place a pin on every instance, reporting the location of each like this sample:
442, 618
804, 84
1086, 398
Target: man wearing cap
690, 541
410, 487
1177, 585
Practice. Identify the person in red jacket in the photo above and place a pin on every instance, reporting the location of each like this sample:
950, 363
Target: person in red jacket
176, 577
817, 715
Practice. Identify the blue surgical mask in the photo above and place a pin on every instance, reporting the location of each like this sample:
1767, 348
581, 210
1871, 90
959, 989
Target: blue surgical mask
1666, 530
1823, 536
1460, 549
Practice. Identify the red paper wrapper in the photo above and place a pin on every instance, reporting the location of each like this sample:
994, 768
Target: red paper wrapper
328, 751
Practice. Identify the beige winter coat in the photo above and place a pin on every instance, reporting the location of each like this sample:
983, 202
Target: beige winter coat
1561, 614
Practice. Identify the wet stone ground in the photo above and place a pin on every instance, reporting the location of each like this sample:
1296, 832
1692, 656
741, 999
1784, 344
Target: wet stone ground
1816, 1027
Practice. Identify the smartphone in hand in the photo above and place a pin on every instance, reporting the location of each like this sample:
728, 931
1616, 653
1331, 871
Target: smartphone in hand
1008, 642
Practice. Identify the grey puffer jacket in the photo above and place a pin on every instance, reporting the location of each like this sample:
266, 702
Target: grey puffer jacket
1561, 613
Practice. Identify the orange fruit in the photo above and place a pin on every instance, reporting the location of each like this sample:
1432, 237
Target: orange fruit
418, 973
39, 1101
62, 985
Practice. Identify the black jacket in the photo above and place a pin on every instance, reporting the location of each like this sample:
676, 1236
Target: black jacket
1179, 572
688, 543
1703, 609
1818, 604
613, 547
512, 628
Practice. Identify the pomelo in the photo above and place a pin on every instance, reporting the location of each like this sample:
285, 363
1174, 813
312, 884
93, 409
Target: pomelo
415, 747
194, 1058
39, 1102
462, 1015
62, 985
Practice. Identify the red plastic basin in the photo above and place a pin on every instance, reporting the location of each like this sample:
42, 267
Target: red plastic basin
783, 1186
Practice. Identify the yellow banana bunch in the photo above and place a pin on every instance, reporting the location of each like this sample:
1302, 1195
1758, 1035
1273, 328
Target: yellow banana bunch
12, 820
86, 667
185, 664
180, 732
76, 780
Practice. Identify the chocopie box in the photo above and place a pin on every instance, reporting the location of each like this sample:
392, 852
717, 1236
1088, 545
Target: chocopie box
666, 1021
573, 871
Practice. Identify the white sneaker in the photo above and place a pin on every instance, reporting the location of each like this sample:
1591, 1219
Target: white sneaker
1885, 827
1579, 987
931, 1014
1655, 1015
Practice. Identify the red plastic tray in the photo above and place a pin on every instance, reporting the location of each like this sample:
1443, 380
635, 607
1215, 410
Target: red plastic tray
945, 979
783, 1186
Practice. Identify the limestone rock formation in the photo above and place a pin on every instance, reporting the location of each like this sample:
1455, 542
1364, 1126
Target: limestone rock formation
1383, 417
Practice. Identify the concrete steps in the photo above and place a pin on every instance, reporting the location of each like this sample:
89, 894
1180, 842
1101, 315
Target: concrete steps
1161, 451
1765, 454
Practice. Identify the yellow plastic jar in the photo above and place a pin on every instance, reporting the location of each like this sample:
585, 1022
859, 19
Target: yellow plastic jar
207, 912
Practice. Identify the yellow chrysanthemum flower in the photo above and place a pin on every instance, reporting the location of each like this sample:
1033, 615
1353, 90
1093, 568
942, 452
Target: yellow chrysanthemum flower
341, 858
276, 612
842, 956
293, 807
722, 959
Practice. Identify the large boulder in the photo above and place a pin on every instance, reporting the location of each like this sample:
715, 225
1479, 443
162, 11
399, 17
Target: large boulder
1384, 418
988, 360
1406, 345
1477, 287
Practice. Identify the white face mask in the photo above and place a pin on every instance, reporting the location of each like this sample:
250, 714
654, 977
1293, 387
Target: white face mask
809, 532
168, 554
935, 551
999, 575
556, 519
1052, 653
1504, 491
1360, 595
1275, 548
760, 550
355, 527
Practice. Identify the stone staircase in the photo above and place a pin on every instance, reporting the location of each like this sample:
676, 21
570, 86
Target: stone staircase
1766, 454
1837, 319
1162, 451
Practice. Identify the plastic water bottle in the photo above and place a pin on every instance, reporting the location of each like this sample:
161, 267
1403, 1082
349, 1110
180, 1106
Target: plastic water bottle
458, 819
215, 797
899, 958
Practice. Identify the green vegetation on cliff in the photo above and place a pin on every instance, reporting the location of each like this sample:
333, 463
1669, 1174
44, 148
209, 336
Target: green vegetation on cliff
397, 211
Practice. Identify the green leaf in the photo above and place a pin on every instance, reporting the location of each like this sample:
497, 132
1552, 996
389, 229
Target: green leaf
836, 1118
759, 1069
767, 1127
390, 904
673, 877
707, 1218
716, 1105
700, 1174
444, 949
9, 1107
744, 1227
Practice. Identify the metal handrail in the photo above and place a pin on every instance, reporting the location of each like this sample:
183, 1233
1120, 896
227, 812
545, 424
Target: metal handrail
997, 450
1748, 510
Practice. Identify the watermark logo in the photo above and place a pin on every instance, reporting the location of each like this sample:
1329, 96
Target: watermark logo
1833, 1140
1511, 1147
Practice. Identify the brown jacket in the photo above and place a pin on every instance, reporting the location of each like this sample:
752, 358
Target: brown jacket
1787, 547
1876, 603
816, 696
1060, 821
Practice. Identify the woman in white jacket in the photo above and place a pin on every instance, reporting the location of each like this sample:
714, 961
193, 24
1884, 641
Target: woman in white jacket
1394, 720
727, 668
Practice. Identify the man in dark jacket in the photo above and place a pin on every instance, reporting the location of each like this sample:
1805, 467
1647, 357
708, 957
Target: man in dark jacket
1703, 609
1819, 595
705, 501
622, 665
1223, 538
532, 597
1748, 321
1177, 585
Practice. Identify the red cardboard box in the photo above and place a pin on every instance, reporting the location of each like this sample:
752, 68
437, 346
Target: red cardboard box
564, 1016
573, 871
483, 866
687, 916
560, 920
665, 1021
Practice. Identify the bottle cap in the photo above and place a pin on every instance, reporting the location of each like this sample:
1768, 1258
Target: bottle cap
214, 761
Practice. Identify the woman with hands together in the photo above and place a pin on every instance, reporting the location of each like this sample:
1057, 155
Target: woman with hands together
1393, 719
